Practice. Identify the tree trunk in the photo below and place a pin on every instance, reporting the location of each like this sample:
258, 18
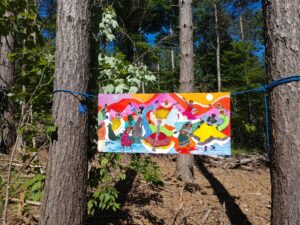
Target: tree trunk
172, 59
158, 74
242, 27
7, 124
218, 48
282, 18
184, 163
65, 189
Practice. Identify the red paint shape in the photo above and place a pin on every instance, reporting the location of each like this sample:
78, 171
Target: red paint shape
121, 105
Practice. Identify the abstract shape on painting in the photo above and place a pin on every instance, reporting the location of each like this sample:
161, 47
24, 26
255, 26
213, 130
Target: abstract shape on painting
187, 123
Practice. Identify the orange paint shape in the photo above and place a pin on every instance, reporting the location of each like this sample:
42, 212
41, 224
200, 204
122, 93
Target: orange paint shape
183, 150
204, 98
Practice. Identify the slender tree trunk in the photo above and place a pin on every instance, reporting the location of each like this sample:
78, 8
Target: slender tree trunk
172, 59
7, 124
158, 74
184, 163
143, 88
65, 189
242, 28
282, 19
218, 48
172, 50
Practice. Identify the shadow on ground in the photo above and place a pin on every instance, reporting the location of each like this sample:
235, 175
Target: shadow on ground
233, 211
126, 195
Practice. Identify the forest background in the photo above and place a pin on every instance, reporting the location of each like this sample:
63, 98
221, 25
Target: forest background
134, 49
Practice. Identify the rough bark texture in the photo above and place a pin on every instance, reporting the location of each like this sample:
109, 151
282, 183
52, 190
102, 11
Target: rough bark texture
218, 48
65, 190
184, 163
7, 124
282, 19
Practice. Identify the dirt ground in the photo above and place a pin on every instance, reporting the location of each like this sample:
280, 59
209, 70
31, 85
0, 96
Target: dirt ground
218, 196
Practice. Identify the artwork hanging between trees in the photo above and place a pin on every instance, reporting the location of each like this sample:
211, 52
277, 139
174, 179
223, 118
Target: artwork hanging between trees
187, 123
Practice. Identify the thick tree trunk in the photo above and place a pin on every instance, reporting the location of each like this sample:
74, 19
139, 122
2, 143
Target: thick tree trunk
218, 48
65, 190
7, 124
282, 19
184, 163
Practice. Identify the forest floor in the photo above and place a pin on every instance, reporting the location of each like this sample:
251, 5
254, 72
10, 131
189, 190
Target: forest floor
217, 196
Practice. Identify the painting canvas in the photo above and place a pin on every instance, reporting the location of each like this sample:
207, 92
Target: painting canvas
169, 123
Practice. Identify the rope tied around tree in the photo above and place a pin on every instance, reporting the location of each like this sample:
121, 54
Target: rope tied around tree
266, 89
82, 108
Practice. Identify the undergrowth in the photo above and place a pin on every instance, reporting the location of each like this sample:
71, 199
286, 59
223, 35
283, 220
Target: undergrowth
107, 170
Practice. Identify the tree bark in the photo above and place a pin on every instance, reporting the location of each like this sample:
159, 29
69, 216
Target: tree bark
65, 189
158, 73
7, 124
242, 27
218, 48
282, 19
184, 163
172, 59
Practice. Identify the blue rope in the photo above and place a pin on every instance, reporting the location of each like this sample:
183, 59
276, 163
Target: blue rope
82, 109
86, 95
266, 89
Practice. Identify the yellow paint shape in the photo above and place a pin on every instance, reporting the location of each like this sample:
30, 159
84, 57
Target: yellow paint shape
143, 97
205, 132
116, 123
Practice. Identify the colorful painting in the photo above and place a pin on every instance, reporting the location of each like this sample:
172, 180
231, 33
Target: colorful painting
187, 123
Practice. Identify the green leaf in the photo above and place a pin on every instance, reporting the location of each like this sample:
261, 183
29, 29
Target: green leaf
133, 90
104, 161
36, 196
37, 186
